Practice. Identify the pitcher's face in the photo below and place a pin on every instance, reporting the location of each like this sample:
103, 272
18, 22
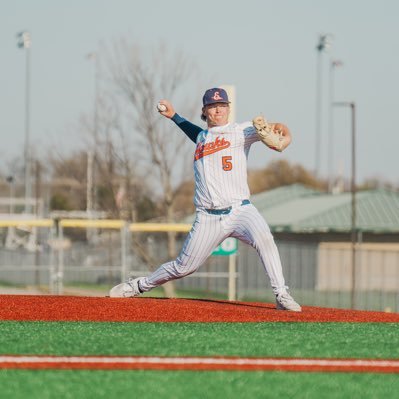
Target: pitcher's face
216, 114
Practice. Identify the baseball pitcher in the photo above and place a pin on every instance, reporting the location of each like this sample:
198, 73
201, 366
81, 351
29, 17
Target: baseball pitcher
223, 208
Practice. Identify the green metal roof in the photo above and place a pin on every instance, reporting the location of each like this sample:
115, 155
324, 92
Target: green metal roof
296, 208
282, 194
312, 211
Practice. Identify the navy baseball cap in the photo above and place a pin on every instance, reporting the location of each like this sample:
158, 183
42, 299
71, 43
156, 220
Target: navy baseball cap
215, 95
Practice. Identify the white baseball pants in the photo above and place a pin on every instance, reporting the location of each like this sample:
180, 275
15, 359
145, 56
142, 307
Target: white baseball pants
208, 231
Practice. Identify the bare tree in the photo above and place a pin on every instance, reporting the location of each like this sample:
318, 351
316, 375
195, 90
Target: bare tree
118, 185
281, 173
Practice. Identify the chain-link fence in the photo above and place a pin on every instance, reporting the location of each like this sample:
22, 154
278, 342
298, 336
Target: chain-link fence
89, 257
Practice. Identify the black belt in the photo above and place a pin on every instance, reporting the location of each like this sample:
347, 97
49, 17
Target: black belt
225, 211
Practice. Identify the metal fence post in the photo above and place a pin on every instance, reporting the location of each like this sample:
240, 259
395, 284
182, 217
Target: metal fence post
60, 271
52, 260
232, 277
124, 237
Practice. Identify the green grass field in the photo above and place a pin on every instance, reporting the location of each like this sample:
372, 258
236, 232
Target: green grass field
335, 340
189, 384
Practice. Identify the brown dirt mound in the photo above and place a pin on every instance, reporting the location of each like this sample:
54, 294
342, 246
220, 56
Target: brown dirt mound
71, 308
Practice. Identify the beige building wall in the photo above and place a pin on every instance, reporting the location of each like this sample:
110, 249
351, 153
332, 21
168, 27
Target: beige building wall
377, 267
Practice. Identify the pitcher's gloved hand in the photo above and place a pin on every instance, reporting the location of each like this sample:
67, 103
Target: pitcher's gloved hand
271, 134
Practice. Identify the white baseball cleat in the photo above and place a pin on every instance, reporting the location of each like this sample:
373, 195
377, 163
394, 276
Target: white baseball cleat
285, 301
126, 290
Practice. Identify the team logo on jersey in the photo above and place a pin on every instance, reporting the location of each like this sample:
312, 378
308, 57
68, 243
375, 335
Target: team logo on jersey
204, 149
216, 96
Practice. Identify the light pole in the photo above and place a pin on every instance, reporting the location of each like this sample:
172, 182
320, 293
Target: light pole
24, 41
94, 57
324, 43
10, 180
353, 197
91, 154
333, 65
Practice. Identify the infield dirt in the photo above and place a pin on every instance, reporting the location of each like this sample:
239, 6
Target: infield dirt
71, 308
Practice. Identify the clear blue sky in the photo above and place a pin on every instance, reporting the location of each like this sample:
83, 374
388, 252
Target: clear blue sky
266, 48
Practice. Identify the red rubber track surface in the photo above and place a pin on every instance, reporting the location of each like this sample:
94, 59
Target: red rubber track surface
73, 308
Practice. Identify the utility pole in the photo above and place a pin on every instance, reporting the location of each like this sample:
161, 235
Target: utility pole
24, 41
330, 150
352, 106
324, 43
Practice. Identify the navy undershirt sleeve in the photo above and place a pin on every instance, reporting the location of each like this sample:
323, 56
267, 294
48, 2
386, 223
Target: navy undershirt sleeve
188, 128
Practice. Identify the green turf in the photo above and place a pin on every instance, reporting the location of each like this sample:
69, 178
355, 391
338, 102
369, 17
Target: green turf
189, 385
344, 340
347, 340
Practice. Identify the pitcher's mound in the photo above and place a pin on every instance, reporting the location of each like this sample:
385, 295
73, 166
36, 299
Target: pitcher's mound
72, 308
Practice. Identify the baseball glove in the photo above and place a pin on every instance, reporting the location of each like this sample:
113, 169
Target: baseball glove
271, 134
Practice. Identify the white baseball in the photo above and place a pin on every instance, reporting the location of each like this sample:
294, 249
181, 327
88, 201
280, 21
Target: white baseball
161, 107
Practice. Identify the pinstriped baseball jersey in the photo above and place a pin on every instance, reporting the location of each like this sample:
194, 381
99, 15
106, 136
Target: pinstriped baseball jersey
220, 165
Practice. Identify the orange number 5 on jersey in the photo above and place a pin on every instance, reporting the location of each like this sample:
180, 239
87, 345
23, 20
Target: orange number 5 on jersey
226, 162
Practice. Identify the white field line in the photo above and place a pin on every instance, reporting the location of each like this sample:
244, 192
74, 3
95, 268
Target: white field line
193, 361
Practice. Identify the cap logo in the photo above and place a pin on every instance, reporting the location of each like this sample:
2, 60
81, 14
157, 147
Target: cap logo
216, 96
